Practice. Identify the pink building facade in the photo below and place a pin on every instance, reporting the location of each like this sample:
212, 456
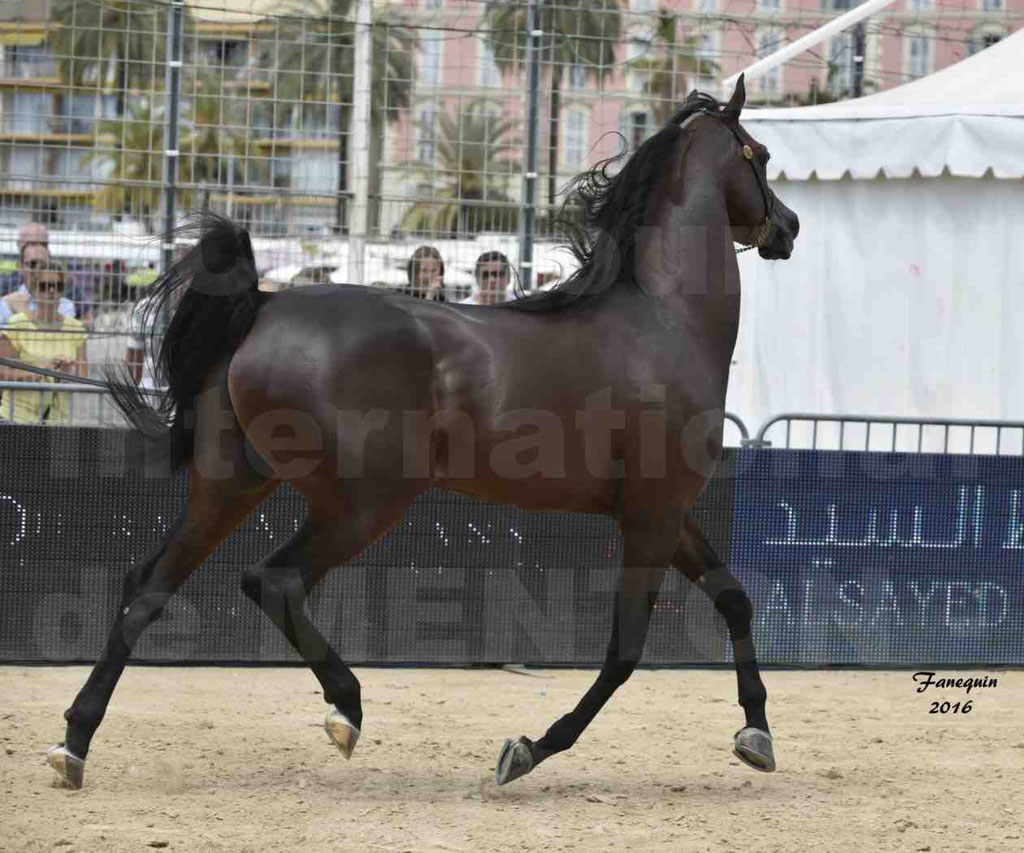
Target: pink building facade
713, 39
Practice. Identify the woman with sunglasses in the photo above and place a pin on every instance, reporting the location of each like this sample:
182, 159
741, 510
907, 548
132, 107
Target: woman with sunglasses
44, 337
33, 258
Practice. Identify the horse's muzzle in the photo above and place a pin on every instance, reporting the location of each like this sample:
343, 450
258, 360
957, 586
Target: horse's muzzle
785, 228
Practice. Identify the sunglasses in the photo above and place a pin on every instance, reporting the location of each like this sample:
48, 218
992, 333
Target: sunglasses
493, 274
50, 285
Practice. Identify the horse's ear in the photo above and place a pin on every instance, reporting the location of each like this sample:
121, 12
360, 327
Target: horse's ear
738, 99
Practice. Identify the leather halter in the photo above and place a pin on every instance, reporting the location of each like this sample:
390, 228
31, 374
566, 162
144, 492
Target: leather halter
764, 231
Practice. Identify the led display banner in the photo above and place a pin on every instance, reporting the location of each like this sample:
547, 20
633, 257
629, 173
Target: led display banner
882, 558
457, 581
850, 558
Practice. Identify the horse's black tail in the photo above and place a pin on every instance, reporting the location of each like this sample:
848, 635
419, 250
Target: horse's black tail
195, 316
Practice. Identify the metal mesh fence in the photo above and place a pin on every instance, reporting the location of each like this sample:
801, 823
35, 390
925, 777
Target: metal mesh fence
119, 116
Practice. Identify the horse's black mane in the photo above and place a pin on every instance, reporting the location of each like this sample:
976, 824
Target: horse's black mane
612, 208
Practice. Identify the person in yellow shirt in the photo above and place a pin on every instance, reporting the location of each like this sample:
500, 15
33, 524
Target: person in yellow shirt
43, 337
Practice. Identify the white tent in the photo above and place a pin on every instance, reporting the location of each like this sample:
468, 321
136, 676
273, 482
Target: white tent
905, 293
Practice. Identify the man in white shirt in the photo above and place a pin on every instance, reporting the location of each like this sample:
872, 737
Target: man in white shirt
491, 272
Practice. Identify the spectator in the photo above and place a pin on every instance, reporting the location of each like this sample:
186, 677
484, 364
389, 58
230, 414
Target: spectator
491, 272
43, 337
140, 365
144, 318
33, 253
425, 272
30, 234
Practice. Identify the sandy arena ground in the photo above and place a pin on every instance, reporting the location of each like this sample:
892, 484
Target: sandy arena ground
236, 760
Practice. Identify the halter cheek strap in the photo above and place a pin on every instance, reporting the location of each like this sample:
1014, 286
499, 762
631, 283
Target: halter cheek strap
764, 231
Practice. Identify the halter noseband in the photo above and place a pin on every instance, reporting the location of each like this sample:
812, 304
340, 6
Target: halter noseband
764, 231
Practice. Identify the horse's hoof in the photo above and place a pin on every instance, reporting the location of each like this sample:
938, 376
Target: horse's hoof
339, 729
754, 748
68, 767
514, 760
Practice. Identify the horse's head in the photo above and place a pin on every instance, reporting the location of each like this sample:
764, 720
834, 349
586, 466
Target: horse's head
756, 215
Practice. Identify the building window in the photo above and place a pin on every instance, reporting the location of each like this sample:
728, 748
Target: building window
432, 4
225, 52
315, 171
577, 76
769, 5
24, 62
841, 66
489, 76
992, 5
641, 7
638, 52
706, 56
25, 162
837, 5
28, 112
575, 149
281, 171
426, 136
705, 7
430, 58
919, 5
72, 163
636, 125
769, 42
707, 47
918, 52
80, 113
986, 35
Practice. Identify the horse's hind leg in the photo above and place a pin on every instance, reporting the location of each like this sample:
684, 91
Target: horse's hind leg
210, 517
696, 559
646, 552
280, 584
222, 491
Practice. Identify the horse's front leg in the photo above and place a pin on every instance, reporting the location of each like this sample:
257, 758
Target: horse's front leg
647, 551
696, 559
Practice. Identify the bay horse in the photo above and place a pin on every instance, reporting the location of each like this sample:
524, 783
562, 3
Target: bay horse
604, 395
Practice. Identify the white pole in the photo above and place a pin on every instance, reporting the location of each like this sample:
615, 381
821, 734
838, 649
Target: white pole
359, 144
834, 26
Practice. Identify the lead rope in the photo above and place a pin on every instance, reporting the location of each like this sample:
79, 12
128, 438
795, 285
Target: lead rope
762, 235
54, 374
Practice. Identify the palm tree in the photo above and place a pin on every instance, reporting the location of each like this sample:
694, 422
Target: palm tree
214, 131
668, 73
577, 33
472, 160
132, 146
120, 39
314, 70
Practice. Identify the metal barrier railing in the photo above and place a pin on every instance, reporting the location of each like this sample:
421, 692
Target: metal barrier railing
800, 430
880, 433
96, 411
740, 426
105, 413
